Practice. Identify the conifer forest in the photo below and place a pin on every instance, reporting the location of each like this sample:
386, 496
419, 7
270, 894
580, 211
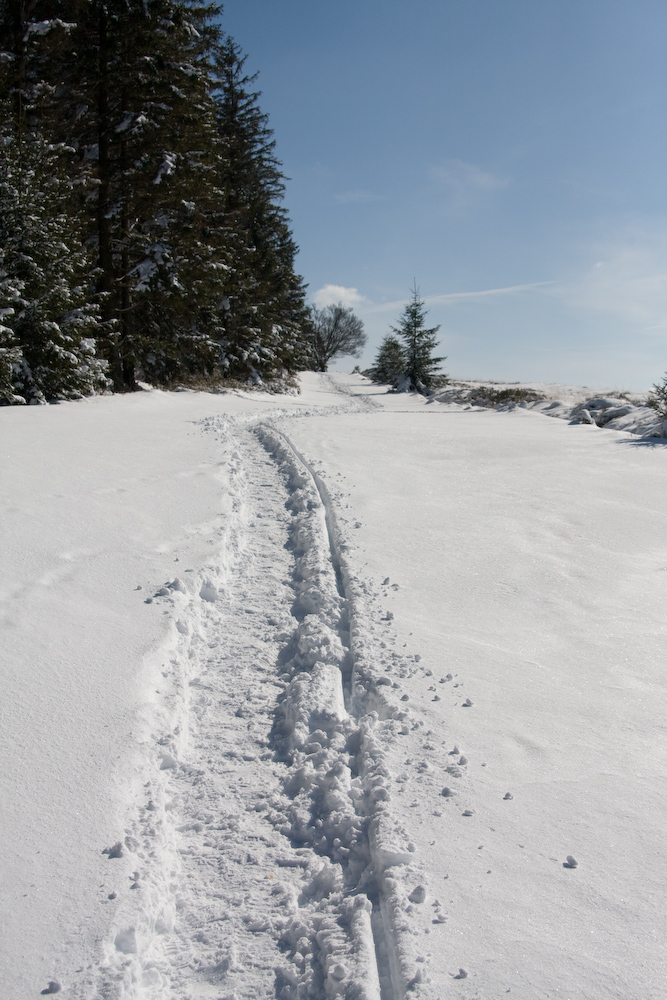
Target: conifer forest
142, 230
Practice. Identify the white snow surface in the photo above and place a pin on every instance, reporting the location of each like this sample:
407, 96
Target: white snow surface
347, 694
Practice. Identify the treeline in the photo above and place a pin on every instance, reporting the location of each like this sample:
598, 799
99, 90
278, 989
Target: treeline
142, 232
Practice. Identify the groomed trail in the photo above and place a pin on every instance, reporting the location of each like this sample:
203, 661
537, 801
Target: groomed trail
383, 718
266, 852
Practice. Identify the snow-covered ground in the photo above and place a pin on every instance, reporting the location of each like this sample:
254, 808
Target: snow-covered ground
314, 696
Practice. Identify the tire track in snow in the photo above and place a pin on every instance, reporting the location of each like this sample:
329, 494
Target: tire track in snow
334, 643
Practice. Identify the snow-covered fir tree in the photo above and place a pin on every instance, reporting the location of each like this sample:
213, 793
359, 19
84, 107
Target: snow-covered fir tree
49, 322
139, 109
265, 313
11, 355
173, 192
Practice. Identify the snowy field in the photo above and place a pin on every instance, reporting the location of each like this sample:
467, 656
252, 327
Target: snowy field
346, 694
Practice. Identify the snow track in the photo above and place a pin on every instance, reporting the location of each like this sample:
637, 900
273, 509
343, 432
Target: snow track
264, 858
331, 726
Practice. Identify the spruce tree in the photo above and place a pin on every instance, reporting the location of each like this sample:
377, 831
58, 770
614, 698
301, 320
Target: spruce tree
11, 355
389, 365
421, 369
49, 324
146, 141
264, 304
49, 321
180, 249
657, 399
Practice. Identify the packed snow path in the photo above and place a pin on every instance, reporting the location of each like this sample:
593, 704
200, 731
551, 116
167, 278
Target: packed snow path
405, 735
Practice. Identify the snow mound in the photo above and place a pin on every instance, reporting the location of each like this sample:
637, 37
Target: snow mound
616, 411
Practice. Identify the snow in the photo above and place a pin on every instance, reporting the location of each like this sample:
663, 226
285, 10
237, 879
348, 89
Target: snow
349, 693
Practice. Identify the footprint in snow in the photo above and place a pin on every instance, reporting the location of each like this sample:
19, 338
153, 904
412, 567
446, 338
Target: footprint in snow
209, 593
418, 894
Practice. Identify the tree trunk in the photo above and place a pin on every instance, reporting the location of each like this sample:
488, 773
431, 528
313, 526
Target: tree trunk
105, 252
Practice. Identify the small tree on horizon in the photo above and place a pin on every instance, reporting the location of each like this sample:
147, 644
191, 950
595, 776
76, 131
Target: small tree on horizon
336, 332
421, 369
657, 399
389, 366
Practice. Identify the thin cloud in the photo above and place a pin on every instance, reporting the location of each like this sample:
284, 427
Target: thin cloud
628, 281
453, 297
460, 296
332, 294
465, 183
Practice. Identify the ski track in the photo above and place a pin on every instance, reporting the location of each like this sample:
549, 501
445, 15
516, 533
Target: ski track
267, 857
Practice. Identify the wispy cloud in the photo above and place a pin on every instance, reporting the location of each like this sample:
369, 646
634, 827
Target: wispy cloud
358, 197
331, 294
483, 293
451, 298
628, 280
465, 183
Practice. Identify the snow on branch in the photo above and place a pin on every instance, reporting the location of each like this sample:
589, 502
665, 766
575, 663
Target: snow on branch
167, 167
43, 27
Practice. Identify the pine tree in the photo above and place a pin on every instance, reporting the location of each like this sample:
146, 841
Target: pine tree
146, 139
657, 399
264, 304
420, 367
180, 248
49, 325
389, 366
11, 355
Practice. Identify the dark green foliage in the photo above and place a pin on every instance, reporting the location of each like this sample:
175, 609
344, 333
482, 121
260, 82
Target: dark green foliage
49, 324
147, 166
421, 369
488, 396
410, 366
10, 354
264, 314
389, 366
657, 399
180, 256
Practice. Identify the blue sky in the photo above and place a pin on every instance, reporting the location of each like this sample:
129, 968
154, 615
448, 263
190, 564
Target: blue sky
509, 155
